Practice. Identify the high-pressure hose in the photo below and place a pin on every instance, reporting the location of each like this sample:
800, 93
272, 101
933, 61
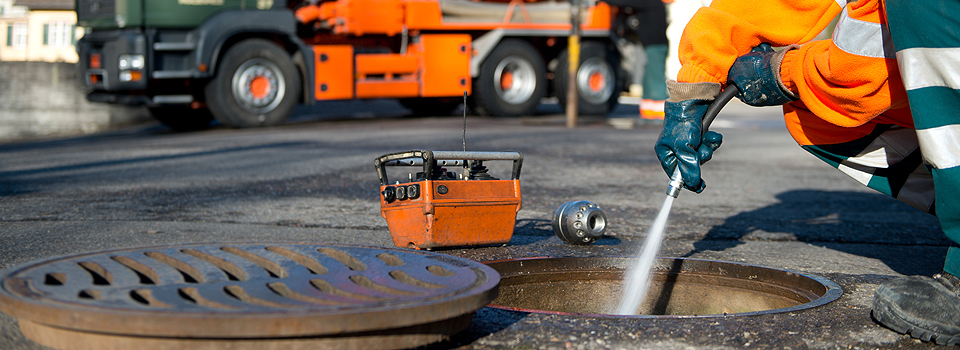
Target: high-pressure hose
676, 181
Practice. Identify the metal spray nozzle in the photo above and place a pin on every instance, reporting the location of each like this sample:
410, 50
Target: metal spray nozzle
675, 184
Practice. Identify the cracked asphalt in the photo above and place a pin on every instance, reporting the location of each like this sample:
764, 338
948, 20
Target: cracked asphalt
767, 202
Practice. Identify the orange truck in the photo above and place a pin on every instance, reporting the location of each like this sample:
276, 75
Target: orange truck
248, 63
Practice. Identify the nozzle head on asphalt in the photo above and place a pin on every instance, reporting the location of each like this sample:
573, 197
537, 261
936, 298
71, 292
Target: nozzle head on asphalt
676, 183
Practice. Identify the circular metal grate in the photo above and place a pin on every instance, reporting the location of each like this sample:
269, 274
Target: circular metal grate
245, 291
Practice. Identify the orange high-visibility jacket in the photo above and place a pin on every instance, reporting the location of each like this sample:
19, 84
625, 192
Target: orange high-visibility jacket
850, 81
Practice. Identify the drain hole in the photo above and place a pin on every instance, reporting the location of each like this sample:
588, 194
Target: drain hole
271, 267
390, 259
439, 271
55, 279
146, 274
312, 265
366, 282
187, 278
233, 272
351, 262
233, 292
326, 287
101, 277
192, 295
413, 281
186, 296
145, 297
286, 292
89, 294
138, 298
190, 273
239, 293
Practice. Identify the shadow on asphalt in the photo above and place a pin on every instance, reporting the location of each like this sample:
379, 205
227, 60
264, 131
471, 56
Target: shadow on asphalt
486, 321
851, 222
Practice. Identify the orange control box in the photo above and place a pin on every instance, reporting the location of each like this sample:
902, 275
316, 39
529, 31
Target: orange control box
441, 208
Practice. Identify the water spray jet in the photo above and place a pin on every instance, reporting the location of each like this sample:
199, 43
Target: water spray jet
636, 280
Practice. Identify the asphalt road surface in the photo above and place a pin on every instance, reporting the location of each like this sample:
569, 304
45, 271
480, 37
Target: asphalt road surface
767, 202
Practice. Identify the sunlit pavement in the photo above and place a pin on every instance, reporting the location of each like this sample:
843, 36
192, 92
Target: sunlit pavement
767, 203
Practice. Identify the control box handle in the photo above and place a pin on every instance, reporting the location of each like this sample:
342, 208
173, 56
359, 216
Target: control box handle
428, 159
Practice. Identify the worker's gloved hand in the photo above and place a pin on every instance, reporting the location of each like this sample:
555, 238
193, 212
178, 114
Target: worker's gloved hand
757, 74
680, 143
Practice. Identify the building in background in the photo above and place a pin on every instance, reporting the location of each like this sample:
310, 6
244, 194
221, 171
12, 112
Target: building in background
38, 30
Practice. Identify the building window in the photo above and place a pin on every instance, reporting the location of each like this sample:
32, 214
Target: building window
57, 34
17, 36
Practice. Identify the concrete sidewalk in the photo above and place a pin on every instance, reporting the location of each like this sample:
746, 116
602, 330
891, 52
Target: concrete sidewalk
767, 203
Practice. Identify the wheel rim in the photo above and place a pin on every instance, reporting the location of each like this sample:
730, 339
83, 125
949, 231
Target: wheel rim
258, 85
595, 80
515, 80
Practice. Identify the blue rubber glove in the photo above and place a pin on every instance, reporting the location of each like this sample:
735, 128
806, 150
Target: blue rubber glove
757, 74
680, 143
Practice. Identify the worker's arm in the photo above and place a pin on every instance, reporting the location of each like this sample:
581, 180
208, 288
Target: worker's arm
716, 48
757, 77
728, 29
853, 79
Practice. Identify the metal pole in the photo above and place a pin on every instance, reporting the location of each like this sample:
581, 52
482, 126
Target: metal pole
573, 50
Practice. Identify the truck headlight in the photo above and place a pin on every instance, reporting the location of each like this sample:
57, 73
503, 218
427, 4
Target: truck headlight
130, 62
130, 75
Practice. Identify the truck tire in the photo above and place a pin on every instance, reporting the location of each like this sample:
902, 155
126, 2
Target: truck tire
511, 81
431, 106
257, 84
182, 118
596, 79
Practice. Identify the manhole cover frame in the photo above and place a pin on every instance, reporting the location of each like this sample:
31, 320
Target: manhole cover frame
19, 299
832, 290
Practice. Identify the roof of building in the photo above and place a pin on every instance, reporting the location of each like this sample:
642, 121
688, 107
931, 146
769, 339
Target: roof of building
46, 4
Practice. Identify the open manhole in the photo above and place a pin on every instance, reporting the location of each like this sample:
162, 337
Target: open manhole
246, 296
679, 287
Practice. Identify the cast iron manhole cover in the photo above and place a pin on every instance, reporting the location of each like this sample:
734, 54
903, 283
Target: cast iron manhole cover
246, 296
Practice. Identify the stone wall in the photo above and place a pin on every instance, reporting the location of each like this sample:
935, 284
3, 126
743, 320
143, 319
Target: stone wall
40, 100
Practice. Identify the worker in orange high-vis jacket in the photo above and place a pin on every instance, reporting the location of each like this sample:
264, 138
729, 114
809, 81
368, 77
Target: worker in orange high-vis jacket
879, 101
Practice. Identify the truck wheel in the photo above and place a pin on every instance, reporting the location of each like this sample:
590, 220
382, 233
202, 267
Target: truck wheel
511, 80
596, 79
431, 106
182, 118
257, 84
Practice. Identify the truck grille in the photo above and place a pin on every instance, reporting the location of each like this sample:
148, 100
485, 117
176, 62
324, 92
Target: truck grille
95, 9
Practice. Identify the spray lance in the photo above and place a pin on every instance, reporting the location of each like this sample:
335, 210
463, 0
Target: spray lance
636, 281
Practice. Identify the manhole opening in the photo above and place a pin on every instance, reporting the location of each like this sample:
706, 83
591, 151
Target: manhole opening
679, 288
